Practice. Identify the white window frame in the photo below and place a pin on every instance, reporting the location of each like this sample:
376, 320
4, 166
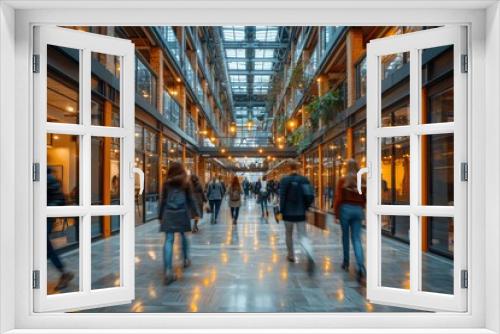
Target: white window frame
85, 43
414, 44
17, 18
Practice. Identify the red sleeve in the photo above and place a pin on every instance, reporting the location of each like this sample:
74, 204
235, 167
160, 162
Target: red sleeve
338, 197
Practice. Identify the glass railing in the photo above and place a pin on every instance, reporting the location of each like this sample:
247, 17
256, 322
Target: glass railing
171, 109
167, 34
190, 127
145, 82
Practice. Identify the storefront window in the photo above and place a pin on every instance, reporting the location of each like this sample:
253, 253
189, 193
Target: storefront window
171, 109
359, 139
361, 78
189, 164
139, 163
151, 186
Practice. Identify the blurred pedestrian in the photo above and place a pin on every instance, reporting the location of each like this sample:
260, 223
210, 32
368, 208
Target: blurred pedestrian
348, 207
215, 193
235, 198
296, 196
199, 198
176, 209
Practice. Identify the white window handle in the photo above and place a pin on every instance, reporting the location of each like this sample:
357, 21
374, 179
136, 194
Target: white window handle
135, 170
358, 176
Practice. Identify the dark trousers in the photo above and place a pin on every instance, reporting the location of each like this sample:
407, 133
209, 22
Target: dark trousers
215, 207
51, 253
235, 212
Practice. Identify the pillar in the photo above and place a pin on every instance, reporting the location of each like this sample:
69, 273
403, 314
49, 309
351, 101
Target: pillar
350, 143
354, 49
157, 65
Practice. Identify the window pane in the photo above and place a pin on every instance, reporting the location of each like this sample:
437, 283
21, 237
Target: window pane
63, 93
437, 169
103, 114
63, 170
395, 256
63, 255
437, 85
438, 237
393, 68
105, 261
395, 170
105, 171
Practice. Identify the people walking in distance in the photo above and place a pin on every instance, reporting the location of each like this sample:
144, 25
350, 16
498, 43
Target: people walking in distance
296, 196
215, 193
223, 184
176, 210
348, 207
263, 197
55, 197
256, 188
199, 198
246, 187
235, 198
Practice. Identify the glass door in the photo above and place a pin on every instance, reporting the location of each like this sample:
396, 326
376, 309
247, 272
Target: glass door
417, 165
83, 170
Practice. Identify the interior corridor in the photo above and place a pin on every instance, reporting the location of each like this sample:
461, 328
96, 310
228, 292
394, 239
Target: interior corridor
243, 268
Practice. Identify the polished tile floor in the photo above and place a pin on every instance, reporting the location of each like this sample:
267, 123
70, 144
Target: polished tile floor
243, 269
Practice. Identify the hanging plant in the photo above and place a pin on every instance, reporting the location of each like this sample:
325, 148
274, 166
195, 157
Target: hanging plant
296, 137
325, 107
281, 123
298, 78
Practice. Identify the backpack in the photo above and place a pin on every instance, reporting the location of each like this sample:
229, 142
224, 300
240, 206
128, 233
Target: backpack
234, 195
176, 217
298, 191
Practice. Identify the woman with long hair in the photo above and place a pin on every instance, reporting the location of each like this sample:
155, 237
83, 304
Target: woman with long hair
348, 207
199, 200
235, 198
175, 215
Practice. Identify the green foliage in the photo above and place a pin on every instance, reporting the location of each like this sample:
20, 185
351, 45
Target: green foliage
325, 107
296, 137
298, 78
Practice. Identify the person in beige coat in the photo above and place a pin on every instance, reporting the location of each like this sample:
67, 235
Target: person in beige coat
235, 198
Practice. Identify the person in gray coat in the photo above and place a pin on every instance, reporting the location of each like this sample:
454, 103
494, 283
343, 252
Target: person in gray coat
215, 193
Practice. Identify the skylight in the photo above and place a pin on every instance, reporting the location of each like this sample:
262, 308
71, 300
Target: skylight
238, 78
264, 53
233, 33
266, 34
261, 78
235, 53
263, 65
237, 65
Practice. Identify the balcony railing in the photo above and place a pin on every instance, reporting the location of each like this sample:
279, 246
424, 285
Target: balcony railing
167, 34
239, 142
171, 109
145, 82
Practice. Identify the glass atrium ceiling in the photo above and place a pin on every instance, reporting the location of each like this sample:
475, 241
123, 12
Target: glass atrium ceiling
253, 55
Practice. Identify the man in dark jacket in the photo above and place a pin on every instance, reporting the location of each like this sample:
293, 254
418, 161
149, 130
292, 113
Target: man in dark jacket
295, 199
55, 197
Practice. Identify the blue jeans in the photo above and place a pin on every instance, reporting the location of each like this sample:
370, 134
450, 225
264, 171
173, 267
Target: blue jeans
350, 219
215, 208
263, 205
169, 248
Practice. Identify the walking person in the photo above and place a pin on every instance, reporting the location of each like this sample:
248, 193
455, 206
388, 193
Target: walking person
348, 207
175, 216
199, 199
246, 187
296, 196
263, 197
215, 193
55, 197
235, 198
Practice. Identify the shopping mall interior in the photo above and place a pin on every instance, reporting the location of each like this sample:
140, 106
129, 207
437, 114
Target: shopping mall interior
244, 101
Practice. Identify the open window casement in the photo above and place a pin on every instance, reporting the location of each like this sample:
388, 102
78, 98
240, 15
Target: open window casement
68, 131
402, 138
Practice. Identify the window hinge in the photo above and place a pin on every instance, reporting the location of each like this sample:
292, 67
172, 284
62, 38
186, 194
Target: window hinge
36, 63
464, 171
465, 279
36, 279
36, 172
465, 64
